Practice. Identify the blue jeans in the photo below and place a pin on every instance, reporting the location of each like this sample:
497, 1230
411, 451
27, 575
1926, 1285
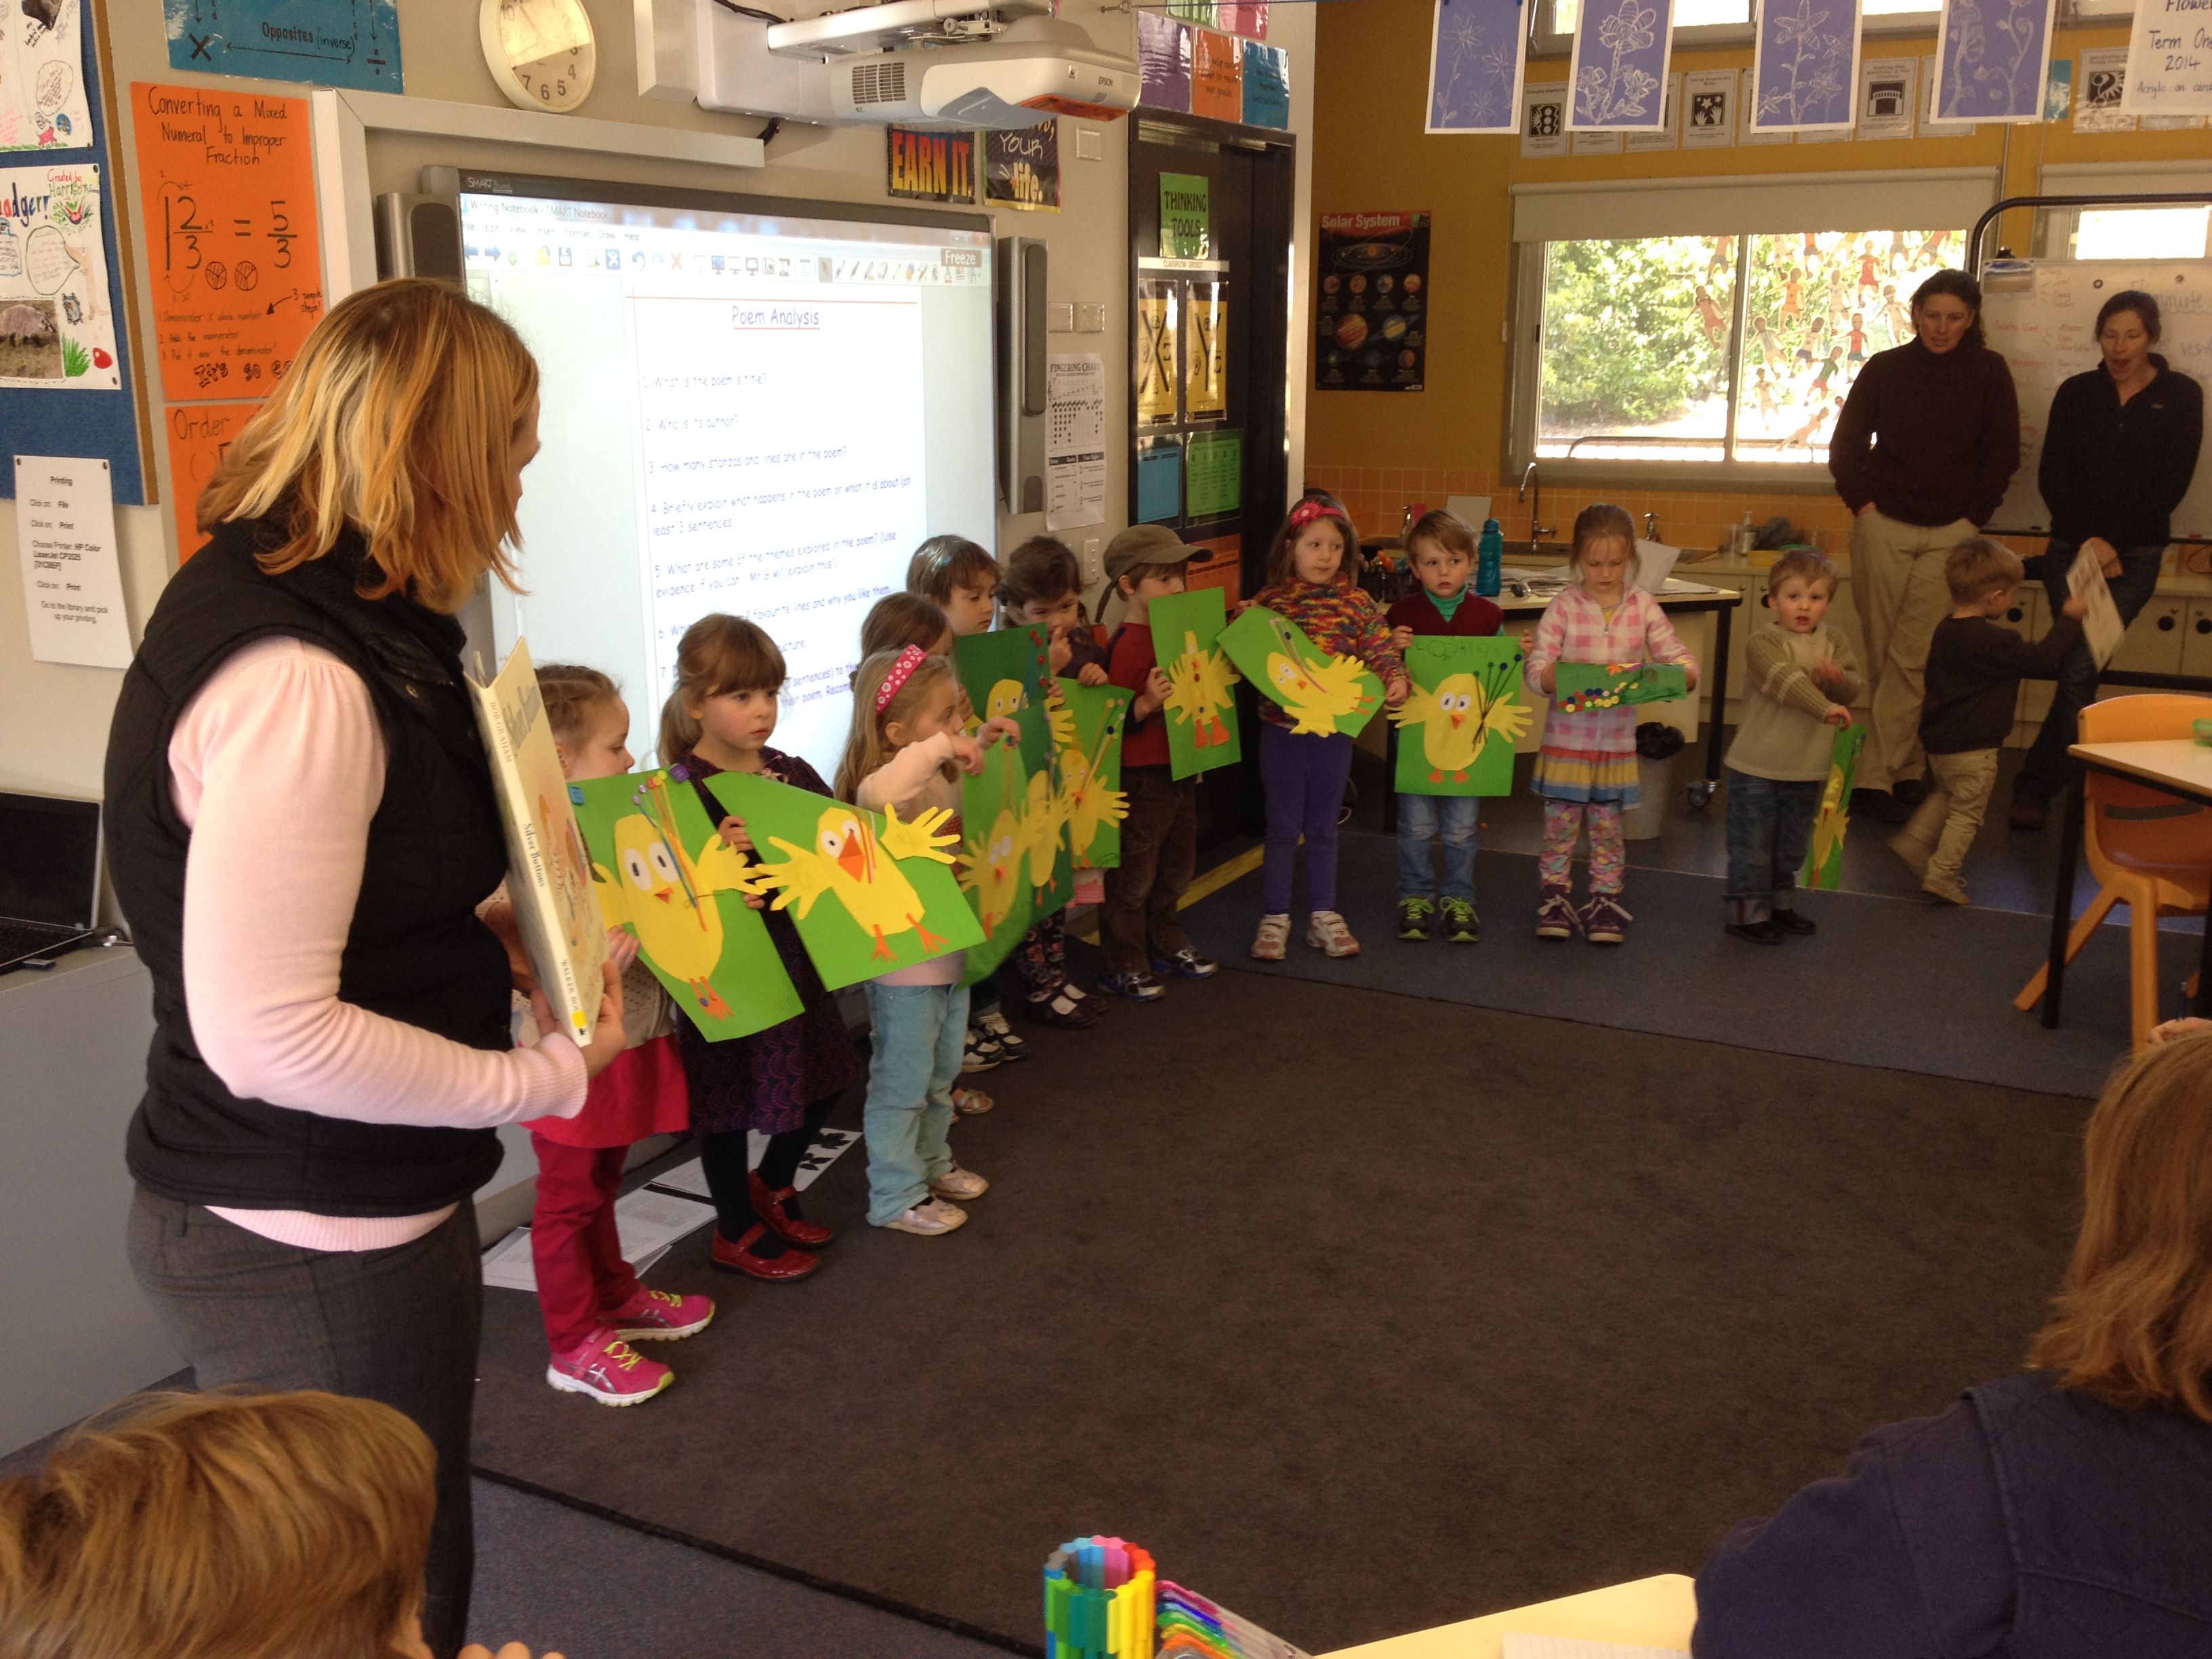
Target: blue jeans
2043, 773
1453, 819
916, 1032
1770, 825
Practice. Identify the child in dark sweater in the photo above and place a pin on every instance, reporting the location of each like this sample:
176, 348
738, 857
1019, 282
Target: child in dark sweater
1975, 666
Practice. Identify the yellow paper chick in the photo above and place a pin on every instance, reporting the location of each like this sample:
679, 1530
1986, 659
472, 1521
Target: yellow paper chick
992, 868
1199, 681
1007, 698
849, 862
1457, 720
1316, 694
665, 898
1059, 719
1040, 831
1085, 803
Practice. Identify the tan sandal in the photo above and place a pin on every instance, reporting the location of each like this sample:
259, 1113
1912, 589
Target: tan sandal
972, 1102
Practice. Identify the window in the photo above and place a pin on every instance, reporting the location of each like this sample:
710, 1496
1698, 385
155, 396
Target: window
2162, 232
1718, 348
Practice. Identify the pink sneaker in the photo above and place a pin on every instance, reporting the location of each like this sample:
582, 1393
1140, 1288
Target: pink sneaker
609, 1370
659, 1317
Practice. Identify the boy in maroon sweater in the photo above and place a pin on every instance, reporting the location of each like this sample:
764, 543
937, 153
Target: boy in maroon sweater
1442, 550
1140, 929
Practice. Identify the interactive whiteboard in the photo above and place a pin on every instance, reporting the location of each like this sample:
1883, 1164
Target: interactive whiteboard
752, 406
2042, 315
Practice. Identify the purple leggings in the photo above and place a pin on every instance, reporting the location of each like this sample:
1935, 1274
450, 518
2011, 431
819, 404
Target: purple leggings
1305, 776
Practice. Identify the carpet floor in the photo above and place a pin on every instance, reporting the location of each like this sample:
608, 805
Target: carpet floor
1361, 1323
1887, 982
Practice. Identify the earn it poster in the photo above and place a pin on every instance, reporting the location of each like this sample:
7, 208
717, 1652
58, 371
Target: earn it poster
1374, 302
932, 166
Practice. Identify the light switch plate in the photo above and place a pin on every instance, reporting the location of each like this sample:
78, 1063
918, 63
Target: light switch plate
1090, 316
1060, 316
1093, 571
1089, 145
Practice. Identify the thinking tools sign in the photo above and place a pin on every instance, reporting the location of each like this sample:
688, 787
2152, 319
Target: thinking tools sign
931, 167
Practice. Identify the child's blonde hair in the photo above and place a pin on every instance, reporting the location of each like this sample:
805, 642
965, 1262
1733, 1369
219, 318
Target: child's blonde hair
1602, 521
898, 620
221, 1526
1803, 564
867, 747
718, 653
574, 696
1977, 565
399, 419
1447, 530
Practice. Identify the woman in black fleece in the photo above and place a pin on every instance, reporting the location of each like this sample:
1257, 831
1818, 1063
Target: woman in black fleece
2118, 454
1926, 444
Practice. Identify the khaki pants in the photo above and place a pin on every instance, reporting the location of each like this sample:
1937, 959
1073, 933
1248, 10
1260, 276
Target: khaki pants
1897, 579
1934, 842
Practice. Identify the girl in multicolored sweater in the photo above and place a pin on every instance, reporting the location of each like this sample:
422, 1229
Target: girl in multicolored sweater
1312, 571
1587, 766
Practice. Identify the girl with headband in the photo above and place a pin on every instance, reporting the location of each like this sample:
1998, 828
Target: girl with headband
907, 752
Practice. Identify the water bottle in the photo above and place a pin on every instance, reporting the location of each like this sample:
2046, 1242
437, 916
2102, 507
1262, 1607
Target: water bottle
1489, 555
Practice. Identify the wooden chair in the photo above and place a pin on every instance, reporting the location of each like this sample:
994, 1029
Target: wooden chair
2151, 851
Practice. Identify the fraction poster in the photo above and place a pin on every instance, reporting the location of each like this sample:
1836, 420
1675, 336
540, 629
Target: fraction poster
227, 185
1372, 316
197, 433
56, 327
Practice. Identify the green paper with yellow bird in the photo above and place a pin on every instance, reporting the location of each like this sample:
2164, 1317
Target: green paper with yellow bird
660, 870
1087, 736
1458, 726
1005, 675
994, 857
868, 892
1322, 693
1201, 711
1824, 856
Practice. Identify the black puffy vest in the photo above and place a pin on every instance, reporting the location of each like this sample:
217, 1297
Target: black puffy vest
415, 950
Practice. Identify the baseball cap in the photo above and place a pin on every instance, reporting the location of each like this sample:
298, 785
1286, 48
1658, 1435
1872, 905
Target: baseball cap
1142, 545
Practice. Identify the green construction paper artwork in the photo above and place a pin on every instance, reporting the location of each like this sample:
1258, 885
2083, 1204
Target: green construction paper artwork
993, 805
1201, 711
1582, 686
1005, 673
1458, 727
1086, 734
661, 870
1824, 859
868, 892
1323, 693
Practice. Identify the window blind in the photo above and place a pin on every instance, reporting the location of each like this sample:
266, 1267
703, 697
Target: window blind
1613, 210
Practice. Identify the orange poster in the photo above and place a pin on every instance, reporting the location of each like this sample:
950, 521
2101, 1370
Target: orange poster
1216, 75
227, 185
198, 434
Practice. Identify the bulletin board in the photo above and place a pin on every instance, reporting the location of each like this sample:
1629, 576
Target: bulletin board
67, 420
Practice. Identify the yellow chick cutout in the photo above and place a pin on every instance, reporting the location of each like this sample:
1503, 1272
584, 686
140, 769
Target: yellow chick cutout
858, 869
1315, 695
1199, 681
663, 895
1457, 719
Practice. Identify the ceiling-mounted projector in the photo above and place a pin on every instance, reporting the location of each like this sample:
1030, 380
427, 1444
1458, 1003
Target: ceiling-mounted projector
1021, 75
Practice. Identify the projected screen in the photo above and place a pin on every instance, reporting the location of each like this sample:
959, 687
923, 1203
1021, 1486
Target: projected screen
756, 407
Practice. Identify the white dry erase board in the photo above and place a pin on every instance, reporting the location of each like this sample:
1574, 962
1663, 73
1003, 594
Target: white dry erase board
2042, 315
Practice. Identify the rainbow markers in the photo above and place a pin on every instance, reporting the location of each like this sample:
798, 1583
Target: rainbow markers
1098, 1601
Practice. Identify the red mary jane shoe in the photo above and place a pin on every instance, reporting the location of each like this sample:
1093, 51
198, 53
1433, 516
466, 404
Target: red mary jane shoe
773, 1208
738, 1258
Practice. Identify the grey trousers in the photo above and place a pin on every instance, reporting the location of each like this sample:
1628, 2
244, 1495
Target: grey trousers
399, 1326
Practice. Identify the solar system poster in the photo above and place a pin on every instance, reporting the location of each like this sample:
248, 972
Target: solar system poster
1373, 302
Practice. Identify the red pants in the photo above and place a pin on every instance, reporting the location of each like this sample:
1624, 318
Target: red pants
580, 1270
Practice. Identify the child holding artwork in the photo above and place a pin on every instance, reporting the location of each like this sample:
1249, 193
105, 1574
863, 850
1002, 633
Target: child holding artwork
593, 1306
960, 578
1975, 666
1313, 568
1140, 923
905, 751
1800, 675
1043, 588
1441, 549
784, 1081
1587, 765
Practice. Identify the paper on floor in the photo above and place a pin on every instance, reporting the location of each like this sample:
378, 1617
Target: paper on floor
1520, 1645
648, 1223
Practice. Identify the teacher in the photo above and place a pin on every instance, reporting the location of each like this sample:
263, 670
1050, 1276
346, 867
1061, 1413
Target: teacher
300, 826
2118, 454
1928, 440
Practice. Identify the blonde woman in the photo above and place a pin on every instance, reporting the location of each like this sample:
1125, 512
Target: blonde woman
2064, 1512
223, 1527
300, 827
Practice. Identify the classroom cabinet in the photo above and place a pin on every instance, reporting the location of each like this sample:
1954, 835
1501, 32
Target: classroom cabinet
2155, 641
2196, 639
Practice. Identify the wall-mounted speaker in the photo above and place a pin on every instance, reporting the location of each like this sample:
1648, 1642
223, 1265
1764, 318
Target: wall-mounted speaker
419, 236
1021, 290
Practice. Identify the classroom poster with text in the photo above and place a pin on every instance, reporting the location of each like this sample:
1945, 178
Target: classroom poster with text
1373, 302
56, 327
931, 167
1021, 168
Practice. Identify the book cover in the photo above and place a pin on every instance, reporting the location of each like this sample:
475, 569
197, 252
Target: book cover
549, 875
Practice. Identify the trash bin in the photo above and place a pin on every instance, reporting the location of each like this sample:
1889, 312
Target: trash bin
1659, 765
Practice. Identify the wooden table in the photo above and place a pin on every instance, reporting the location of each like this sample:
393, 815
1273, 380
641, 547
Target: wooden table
1655, 1612
2176, 765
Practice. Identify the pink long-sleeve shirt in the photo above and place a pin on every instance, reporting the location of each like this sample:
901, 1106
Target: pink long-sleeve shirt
914, 780
1576, 628
276, 767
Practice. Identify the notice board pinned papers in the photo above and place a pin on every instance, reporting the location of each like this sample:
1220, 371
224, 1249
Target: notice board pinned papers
227, 185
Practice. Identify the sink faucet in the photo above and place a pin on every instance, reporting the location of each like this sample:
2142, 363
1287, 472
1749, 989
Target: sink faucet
1537, 530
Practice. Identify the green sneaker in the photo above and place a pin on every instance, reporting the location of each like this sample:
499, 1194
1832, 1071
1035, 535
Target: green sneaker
1413, 915
1461, 924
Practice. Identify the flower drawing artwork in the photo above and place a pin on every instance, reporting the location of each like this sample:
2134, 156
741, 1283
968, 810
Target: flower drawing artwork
1475, 66
1620, 64
1807, 73
1996, 58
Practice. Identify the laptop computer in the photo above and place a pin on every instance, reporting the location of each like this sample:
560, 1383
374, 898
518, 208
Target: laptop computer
49, 876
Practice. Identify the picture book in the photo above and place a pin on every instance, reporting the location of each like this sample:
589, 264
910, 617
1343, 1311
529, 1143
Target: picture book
1458, 727
1323, 693
1201, 711
1004, 673
869, 892
1581, 687
1824, 859
549, 879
